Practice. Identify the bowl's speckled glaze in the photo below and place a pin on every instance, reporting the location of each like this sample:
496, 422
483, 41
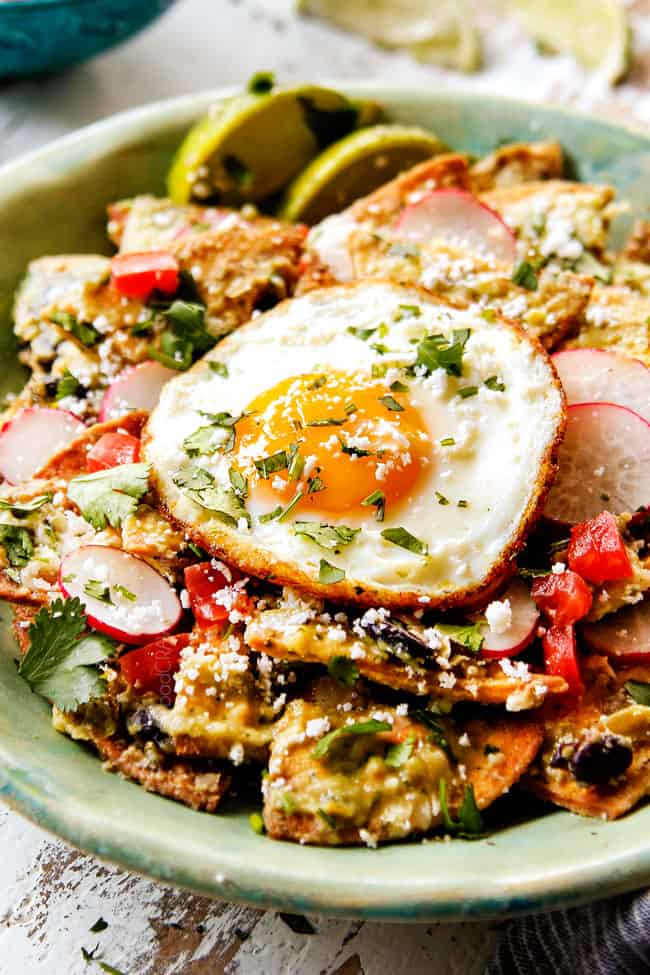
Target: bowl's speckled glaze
38, 36
53, 201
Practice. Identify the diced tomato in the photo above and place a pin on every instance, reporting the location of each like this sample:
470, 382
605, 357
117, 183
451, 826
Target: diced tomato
112, 450
560, 656
212, 595
565, 598
139, 275
597, 551
152, 667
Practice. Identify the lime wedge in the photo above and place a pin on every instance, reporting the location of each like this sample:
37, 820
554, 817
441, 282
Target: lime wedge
439, 33
594, 32
354, 167
252, 145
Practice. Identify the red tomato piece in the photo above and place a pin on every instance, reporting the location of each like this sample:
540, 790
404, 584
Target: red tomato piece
597, 551
565, 598
211, 594
152, 667
112, 450
560, 656
139, 275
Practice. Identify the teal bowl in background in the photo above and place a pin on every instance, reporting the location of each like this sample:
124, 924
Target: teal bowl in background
40, 36
53, 201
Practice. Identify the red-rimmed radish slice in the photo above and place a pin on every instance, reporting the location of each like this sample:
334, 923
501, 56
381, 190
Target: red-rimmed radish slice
600, 376
122, 595
137, 388
624, 635
459, 218
522, 629
31, 437
604, 463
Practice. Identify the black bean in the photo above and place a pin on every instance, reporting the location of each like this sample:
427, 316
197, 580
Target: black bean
597, 762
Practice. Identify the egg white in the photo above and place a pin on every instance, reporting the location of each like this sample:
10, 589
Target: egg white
502, 461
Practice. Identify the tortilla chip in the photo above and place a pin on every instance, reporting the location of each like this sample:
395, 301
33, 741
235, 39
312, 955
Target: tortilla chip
23, 618
71, 460
519, 162
201, 785
637, 247
604, 701
463, 678
617, 319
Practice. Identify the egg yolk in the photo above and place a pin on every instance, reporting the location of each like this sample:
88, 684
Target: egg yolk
334, 441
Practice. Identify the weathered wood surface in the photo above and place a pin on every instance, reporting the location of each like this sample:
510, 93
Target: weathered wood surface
50, 895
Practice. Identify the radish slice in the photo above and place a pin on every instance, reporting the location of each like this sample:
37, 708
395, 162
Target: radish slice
122, 595
624, 635
458, 218
31, 437
137, 388
522, 629
600, 376
604, 463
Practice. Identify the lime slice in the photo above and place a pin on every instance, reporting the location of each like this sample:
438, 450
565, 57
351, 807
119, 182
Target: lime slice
252, 145
439, 33
594, 32
354, 167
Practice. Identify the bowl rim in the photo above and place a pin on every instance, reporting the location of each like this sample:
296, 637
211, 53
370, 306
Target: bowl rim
263, 884
21, 5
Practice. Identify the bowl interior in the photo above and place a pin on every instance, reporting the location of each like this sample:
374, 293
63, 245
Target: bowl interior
53, 201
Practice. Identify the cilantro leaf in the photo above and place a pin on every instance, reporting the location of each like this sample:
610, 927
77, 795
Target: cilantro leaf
469, 825
344, 670
391, 403
108, 497
438, 352
524, 275
59, 663
68, 385
398, 755
493, 383
329, 574
639, 692
261, 83
331, 537
202, 441
271, 464
376, 500
225, 503
173, 351
84, 333
435, 729
370, 727
22, 508
404, 539
469, 635
18, 544
220, 368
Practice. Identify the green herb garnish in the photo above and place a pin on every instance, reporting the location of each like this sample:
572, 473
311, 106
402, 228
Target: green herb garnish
88, 335
261, 83
270, 465
441, 499
314, 485
344, 670
220, 368
468, 635
68, 385
391, 403
18, 544
108, 497
99, 590
398, 755
492, 382
466, 391
238, 482
376, 500
404, 539
20, 509
639, 692
328, 574
469, 825
524, 275
224, 503
438, 352
331, 537
407, 311
370, 727
125, 593
447, 442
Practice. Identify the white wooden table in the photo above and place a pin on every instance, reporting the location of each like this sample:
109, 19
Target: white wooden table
50, 895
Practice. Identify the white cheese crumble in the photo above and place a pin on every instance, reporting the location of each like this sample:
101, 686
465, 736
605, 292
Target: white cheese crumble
499, 616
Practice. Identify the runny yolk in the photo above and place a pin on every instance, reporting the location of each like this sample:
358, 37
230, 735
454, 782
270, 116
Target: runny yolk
352, 437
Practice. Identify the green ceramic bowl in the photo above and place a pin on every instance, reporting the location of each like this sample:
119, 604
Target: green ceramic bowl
53, 201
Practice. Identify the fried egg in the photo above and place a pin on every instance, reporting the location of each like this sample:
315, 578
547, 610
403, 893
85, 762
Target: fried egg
367, 442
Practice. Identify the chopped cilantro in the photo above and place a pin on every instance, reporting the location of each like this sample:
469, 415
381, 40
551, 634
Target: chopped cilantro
271, 515
525, 276
468, 635
492, 382
370, 727
332, 537
220, 368
328, 421
462, 503
99, 925
98, 590
469, 825
288, 803
269, 465
638, 691
84, 333
432, 724
296, 466
108, 497
328, 574
125, 593
20, 509
318, 382
391, 404
349, 409
361, 333
238, 482
447, 442
173, 352
441, 498
466, 391
59, 663
404, 539
261, 83
438, 352
355, 451
68, 385
398, 387
202, 441
376, 500
407, 311
187, 335
109, 969
344, 670
18, 544
292, 504
224, 503
314, 485
398, 755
